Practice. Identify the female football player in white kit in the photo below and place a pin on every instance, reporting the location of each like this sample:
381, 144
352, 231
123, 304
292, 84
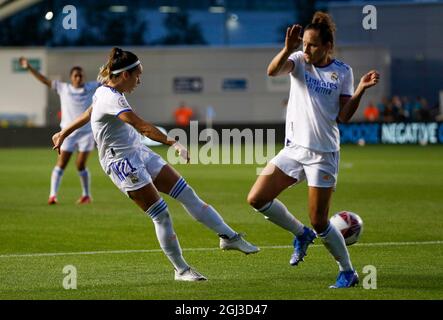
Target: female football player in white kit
139, 172
321, 94
75, 98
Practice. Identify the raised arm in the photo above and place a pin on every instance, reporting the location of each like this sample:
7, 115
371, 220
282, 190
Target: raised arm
59, 137
25, 64
150, 131
348, 105
280, 63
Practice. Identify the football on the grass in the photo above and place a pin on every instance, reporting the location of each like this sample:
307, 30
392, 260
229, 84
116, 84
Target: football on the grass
349, 224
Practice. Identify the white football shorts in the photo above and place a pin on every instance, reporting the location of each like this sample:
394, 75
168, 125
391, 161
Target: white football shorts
136, 171
81, 141
320, 169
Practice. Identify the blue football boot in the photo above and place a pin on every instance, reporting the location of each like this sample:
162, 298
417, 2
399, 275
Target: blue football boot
301, 244
346, 279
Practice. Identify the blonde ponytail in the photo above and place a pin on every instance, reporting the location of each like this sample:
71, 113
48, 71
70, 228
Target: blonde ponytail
103, 74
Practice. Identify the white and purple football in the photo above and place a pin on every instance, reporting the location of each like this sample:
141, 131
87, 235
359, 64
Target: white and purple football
349, 224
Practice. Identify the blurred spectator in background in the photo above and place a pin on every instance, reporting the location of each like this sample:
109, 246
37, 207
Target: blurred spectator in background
407, 108
183, 115
371, 112
402, 109
382, 105
388, 113
438, 115
416, 109
435, 112
397, 105
425, 111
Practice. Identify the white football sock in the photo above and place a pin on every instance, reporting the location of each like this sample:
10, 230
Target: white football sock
85, 181
56, 177
166, 235
276, 212
199, 210
335, 243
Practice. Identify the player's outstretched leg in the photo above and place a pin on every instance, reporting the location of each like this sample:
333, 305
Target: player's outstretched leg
170, 182
208, 216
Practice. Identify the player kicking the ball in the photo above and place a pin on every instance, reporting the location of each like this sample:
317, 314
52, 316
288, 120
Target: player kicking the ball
139, 172
322, 94
75, 98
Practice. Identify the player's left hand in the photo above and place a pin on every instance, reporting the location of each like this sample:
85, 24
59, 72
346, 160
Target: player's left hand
370, 79
57, 140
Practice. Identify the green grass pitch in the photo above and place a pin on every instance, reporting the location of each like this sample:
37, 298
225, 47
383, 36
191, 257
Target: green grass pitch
397, 190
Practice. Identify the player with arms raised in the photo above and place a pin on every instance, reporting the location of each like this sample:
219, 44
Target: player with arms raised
321, 95
75, 98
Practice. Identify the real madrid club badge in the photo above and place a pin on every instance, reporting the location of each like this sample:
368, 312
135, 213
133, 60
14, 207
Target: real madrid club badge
133, 177
334, 76
122, 102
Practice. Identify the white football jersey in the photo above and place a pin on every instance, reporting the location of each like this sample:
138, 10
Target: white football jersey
313, 106
116, 140
74, 101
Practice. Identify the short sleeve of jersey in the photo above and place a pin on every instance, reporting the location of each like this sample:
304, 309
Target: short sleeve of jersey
118, 105
347, 88
57, 85
296, 58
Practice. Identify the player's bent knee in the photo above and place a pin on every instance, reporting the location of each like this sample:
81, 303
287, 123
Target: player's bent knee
256, 202
250, 199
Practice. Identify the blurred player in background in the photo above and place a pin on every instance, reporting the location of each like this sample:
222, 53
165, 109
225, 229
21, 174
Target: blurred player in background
321, 94
139, 172
75, 98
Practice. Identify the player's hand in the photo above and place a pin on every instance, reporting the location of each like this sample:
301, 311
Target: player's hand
57, 140
181, 150
370, 79
24, 63
293, 39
